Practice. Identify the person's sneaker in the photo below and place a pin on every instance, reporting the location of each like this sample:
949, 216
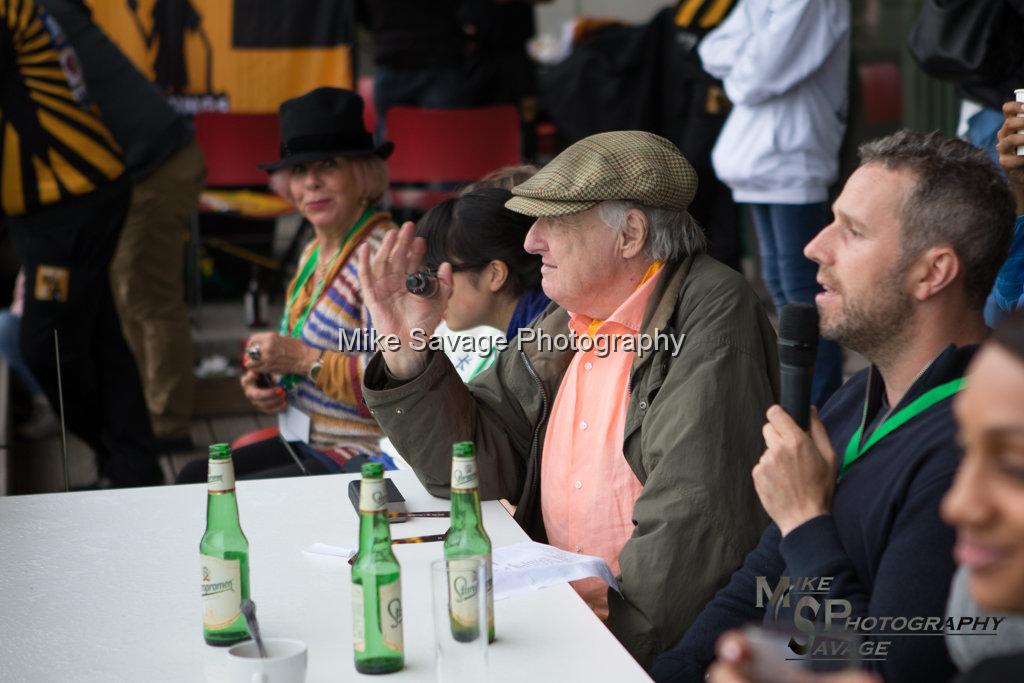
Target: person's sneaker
41, 425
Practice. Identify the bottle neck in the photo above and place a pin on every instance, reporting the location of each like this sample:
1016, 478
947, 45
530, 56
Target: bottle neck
374, 528
221, 504
374, 531
222, 510
465, 493
466, 509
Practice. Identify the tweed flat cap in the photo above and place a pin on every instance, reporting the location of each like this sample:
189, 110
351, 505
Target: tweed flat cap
628, 165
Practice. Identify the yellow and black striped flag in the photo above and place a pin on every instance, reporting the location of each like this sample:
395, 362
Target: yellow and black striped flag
54, 144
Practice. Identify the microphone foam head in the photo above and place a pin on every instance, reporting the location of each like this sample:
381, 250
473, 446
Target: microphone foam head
798, 334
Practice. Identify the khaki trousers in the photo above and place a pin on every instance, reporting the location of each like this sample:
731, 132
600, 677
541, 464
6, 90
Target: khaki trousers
146, 277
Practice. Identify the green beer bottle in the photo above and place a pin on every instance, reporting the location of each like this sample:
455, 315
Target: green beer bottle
224, 555
467, 539
376, 583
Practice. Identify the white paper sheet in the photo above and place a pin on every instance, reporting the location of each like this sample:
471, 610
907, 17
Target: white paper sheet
293, 424
520, 567
337, 550
528, 566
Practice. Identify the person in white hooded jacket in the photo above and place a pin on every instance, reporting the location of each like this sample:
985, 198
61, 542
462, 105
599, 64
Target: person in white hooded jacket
785, 67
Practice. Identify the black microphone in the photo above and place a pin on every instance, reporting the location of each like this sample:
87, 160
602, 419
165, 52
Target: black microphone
798, 342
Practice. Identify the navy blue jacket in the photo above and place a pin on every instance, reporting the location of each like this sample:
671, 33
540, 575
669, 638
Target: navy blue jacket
886, 547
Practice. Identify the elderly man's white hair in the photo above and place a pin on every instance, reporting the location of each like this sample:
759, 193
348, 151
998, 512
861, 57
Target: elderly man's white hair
671, 234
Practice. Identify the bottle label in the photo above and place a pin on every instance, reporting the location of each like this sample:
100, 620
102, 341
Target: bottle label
222, 592
391, 614
221, 476
373, 496
464, 588
464, 474
358, 619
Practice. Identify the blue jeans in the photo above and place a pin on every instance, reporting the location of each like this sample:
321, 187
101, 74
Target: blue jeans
10, 348
783, 230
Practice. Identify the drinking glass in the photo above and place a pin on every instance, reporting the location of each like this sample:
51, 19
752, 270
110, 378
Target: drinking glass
460, 619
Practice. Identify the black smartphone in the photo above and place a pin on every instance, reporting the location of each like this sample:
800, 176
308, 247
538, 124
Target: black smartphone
396, 501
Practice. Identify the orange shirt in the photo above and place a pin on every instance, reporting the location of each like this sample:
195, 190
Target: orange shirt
587, 488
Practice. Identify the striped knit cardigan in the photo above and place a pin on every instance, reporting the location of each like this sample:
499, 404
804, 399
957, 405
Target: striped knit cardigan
341, 425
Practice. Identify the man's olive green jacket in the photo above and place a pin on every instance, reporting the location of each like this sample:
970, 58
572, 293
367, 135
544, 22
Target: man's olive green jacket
692, 435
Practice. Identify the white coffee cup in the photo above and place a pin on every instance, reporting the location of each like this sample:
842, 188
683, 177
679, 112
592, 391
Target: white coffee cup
285, 663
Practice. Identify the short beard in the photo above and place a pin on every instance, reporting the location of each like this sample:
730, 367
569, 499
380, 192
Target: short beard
876, 327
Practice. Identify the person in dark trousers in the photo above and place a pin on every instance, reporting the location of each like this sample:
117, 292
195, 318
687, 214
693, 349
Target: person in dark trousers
167, 170
419, 53
904, 285
65, 194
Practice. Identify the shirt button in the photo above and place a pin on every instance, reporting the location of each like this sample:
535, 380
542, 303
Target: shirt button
588, 365
578, 484
643, 405
398, 410
579, 548
583, 425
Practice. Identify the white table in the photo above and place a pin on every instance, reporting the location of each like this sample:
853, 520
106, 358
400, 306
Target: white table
103, 586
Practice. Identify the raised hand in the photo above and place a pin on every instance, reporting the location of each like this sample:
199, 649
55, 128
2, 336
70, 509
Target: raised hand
394, 311
1010, 136
796, 475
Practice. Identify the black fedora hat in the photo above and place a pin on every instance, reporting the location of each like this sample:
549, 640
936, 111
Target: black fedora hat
324, 123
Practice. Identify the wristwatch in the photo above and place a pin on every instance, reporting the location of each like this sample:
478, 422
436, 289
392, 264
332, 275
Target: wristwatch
314, 370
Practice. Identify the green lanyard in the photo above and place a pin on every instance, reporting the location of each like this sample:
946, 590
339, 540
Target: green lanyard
898, 419
300, 283
485, 363
290, 381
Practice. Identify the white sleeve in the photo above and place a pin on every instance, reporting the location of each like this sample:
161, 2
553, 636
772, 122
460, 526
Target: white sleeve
718, 49
797, 38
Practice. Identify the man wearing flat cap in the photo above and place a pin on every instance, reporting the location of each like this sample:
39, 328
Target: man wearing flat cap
642, 458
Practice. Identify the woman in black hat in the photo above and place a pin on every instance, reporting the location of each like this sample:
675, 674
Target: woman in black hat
335, 175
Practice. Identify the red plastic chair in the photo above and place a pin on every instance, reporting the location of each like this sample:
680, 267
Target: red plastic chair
448, 146
234, 144
250, 438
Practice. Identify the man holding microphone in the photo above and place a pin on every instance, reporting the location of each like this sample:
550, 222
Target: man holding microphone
919, 232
